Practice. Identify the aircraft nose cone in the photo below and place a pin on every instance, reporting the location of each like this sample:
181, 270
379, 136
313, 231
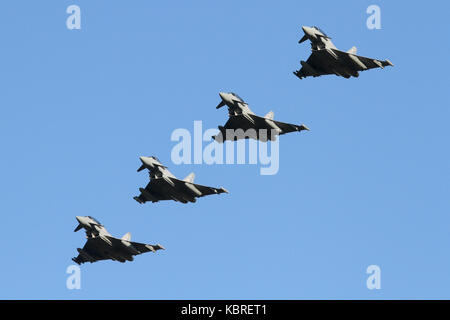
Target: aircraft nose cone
306, 30
146, 160
79, 218
222, 95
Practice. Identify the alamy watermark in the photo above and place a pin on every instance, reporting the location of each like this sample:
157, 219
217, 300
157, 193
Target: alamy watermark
74, 279
374, 20
374, 280
74, 20
191, 149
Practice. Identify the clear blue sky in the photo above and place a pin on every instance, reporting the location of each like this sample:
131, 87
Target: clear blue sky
369, 184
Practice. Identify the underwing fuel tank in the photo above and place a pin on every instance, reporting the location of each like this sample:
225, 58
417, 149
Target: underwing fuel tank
332, 54
357, 61
106, 240
273, 125
130, 247
191, 187
169, 181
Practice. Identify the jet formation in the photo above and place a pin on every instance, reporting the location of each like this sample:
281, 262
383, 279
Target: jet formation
243, 123
101, 245
327, 59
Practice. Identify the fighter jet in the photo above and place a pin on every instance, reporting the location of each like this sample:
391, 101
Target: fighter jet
164, 186
241, 117
101, 245
327, 59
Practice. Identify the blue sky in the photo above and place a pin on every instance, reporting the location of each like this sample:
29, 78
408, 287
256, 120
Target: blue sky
369, 184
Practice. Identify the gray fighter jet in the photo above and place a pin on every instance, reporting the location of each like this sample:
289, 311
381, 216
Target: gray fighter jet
251, 125
101, 245
164, 186
327, 59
